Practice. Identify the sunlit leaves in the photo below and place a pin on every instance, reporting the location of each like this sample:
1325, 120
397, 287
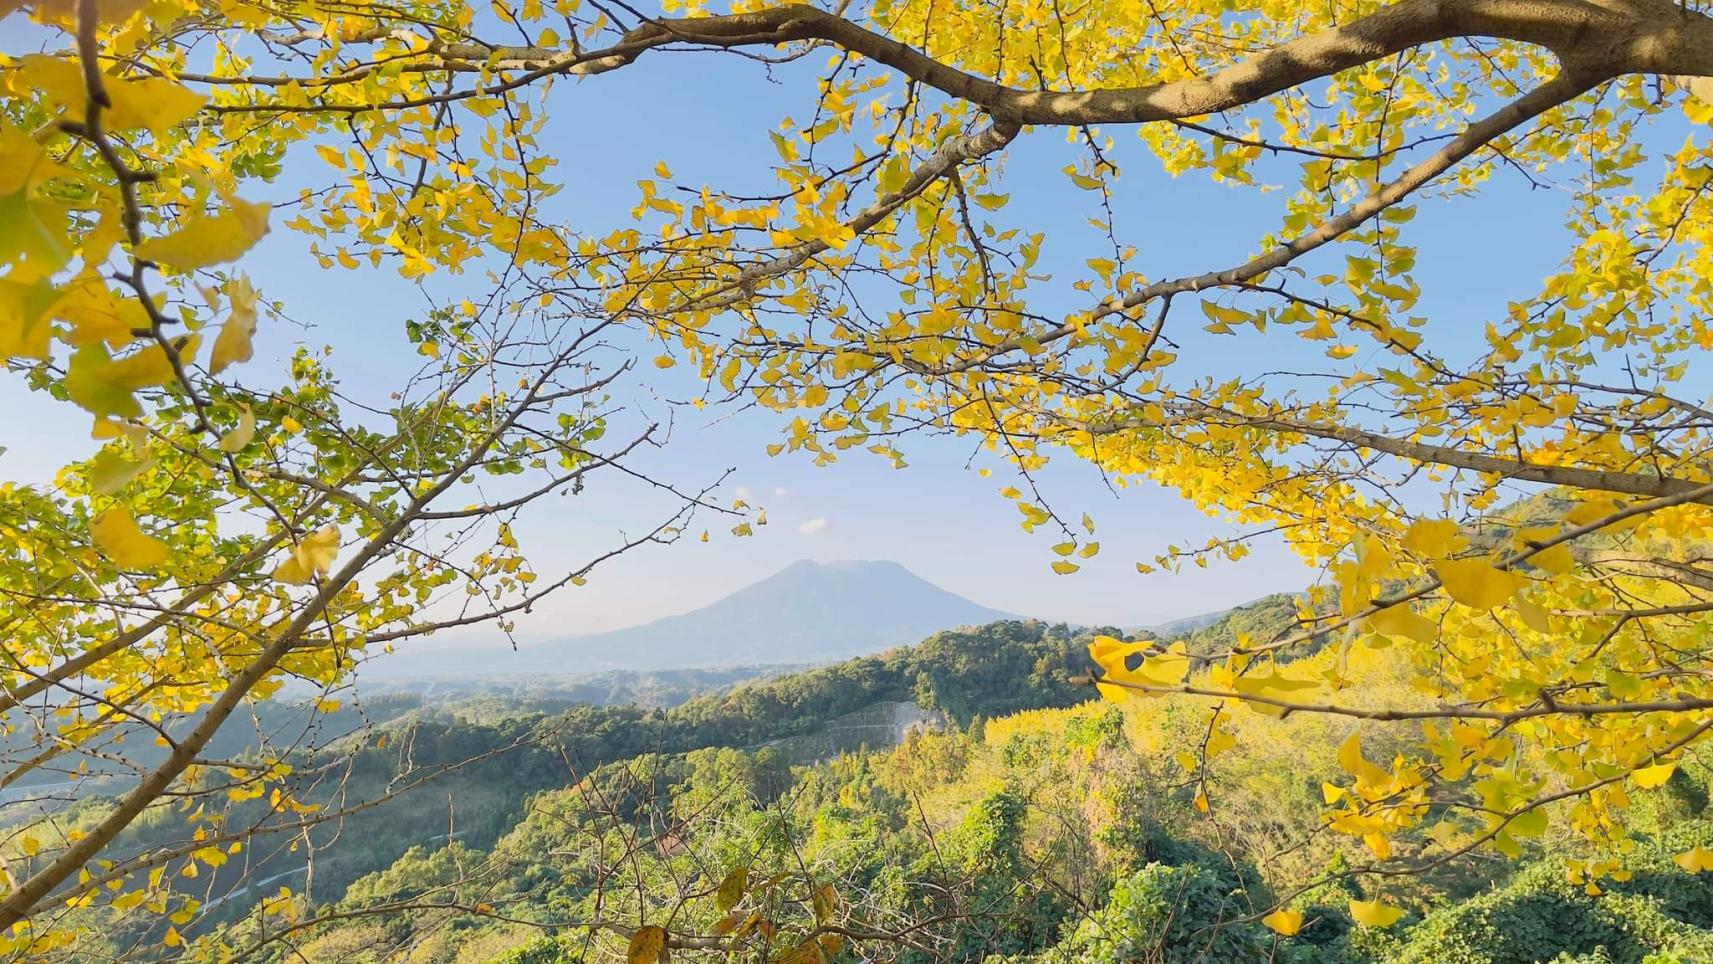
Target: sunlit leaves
1433, 538
1696, 860
25, 331
1285, 921
310, 557
156, 104
1653, 777
1403, 620
117, 535
206, 239
647, 945
232, 344
732, 887
111, 469
1476, 583
1375, 913
240, 435
106, 385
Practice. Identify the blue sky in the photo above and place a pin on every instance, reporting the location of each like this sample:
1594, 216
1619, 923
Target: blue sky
708, 116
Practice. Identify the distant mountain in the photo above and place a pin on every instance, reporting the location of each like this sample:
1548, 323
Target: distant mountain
808, 612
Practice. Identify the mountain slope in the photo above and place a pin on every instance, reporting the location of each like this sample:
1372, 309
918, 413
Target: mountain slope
808, 612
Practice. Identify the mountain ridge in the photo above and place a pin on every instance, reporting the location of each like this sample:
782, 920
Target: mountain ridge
808, 612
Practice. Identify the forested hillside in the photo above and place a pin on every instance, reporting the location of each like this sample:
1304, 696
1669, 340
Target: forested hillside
1034, 828
464, 771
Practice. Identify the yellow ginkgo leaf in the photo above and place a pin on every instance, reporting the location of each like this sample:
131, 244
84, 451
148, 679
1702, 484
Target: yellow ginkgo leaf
1354, 763
1373, 913
309, 558
1284, 921
241, 434
732, 887
1532, 615
1433, 538
1697, 860
1476, 583
1102, 648
95, 313
155, 103
106, 11
119, 538
105, 385
1169, 668
109, 471
1649, 778
24, 318
152, 103
647, 945
1401, 620
209, 239
1555, 559
232, 345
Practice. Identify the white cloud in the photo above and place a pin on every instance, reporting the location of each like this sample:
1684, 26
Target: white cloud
741, 492
813, 525
781, 491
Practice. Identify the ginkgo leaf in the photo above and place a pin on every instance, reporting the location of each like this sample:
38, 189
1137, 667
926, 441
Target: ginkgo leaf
106, 11
1475, 582
732, 887
647, 945
1649, 778
206, 239
1284, 921
1533, 615
233, 344
1529, 823
311, 557
116, 534
1169, 668
1556, 559
1433, 538
1102, 648
1373, 913
241, 434
96, 314
24, 318
1271, 686
33, 228
109, 471
1697, 860
155, 103
1403, 620
105, 385
1354, 763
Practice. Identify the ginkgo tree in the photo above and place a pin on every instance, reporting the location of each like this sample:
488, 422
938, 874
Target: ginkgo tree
1514, 500
226, 539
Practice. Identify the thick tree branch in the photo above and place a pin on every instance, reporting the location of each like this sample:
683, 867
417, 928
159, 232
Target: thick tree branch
1594, 41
